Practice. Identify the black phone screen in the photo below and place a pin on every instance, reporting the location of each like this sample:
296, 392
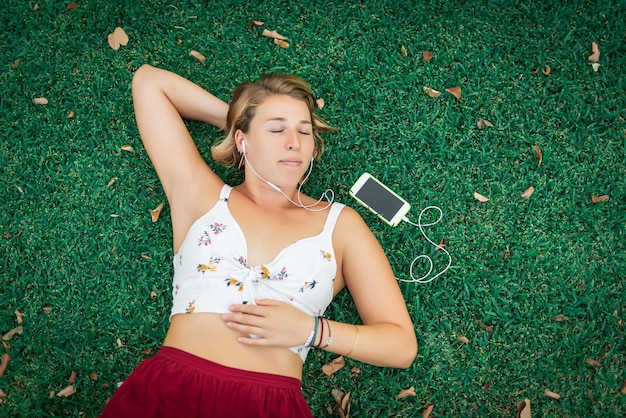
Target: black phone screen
379, 199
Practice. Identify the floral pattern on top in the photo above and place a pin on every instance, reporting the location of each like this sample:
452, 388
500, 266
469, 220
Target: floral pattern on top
210, 266
328, 256
216, 228
307, 285
234, 282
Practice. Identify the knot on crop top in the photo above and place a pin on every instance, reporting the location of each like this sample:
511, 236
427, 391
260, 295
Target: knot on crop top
211, 271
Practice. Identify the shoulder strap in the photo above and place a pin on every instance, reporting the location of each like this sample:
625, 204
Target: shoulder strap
225, 192
333, 214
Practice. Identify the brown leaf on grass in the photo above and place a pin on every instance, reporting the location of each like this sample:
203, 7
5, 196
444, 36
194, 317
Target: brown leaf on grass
93, 376
480, 197
255, 23
405, 393
428, 410
3, 396
463, 339
36, 6
67, 391
71, 5
528, 192
482, 124
113, 180
333, 366
10, 334
71, 115
4, 362
484, 326
442, 243
40, 100
18, 317
47, 310
403, 51
146, 257
507, 253
598, 199
198, 56
623, 391
560, 318
593, 362
156, 212
72, 379
281, 43
546, 70
595, 56
127, 148
551, 394
119, 343
15, 64
427, 56
523, 409
431, 92
343, 402
539, 154
117, 38
320, 103
273, 34
355, 372
153, 294
455, 91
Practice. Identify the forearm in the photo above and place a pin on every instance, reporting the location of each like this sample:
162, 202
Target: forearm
386, 345
190, 100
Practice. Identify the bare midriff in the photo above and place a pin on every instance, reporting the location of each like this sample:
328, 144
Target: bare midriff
206, 335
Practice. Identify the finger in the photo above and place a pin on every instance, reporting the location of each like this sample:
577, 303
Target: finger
268, 302
247, 309
246, 329
254, 341
242, 319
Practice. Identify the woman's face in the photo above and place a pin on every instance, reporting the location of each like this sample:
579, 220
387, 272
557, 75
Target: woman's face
280, 143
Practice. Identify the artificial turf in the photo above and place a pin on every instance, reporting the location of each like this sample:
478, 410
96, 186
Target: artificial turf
536, 286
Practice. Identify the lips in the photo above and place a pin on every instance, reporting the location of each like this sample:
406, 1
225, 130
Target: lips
291, 163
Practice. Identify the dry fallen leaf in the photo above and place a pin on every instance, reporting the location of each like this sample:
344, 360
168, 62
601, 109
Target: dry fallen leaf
18, 317
593, 362
427, 56
71, 115
15, 64
47, 310
3, 396
484, 326
428, 410
113, 180
145, 257
343, 403
463, 339
333, 366
598, 199
153, 294
71, 5
72, 379
507, 253
281, 43
482, 124
523, 409
455, 91
93, 376
546, 70
117, 38
442, 243
480, 197
403, 51
355, 372
623, 391
40, 100
560, 318
4, 362
255, 23
431, 92
10, 334
127, 148
156, 212
320, 103
595, 56
273, 34
528, 192
405, 393
595, 66
67, 391
198, 56
551, 394
539, 154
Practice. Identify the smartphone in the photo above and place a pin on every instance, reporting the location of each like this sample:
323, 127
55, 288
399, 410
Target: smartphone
380, 199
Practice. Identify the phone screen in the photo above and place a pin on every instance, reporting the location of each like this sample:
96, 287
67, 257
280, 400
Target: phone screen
379, 199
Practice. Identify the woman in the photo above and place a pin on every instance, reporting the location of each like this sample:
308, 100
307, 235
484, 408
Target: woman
255, 265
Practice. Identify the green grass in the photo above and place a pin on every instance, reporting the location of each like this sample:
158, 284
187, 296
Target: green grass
80, 259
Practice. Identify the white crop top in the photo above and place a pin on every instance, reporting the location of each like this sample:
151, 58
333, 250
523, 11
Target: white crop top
211, 271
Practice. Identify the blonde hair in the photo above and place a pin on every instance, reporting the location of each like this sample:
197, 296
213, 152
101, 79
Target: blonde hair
247, 97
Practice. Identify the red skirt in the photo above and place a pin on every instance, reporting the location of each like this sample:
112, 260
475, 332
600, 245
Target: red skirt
174, 383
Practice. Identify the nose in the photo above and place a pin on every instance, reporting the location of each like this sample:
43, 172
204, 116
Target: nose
293, 140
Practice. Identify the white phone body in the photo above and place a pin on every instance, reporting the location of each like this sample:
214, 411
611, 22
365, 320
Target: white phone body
380, 199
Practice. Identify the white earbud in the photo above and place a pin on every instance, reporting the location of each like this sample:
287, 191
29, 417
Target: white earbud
243, 146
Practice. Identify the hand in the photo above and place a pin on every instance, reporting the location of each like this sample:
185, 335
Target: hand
277, 324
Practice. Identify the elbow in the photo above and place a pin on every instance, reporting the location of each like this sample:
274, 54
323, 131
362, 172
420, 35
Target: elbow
408, 354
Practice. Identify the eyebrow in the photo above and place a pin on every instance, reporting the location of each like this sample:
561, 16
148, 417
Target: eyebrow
279, 119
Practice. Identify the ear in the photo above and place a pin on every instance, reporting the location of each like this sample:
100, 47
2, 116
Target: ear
239, 137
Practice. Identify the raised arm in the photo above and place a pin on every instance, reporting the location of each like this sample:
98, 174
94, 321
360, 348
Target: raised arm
387, 336
162, 100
